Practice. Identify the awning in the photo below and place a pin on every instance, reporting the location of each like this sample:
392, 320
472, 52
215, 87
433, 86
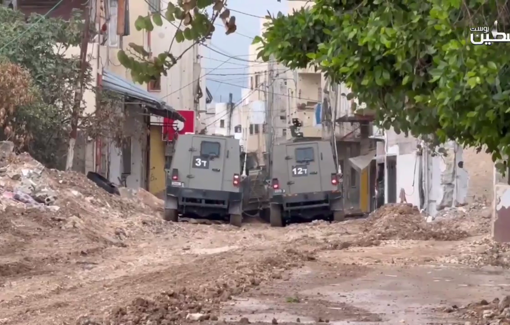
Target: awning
361, 162
155, 105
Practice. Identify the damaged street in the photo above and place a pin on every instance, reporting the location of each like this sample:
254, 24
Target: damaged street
71, 253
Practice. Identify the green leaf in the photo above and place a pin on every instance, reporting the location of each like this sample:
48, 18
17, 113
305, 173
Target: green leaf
472, 82
472, 114
140, 23
256, 40
187, 34
201, 4
148, 24
492, 65
179, 36
405, 81
156, 18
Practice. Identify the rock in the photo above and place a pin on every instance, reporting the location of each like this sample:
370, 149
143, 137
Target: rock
6, 149
487, 314
504, 303
274, 321
197, 317
506, 312
244, 320
45, 196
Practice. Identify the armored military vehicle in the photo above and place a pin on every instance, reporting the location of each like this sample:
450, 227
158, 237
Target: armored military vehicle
304, 183
204, 178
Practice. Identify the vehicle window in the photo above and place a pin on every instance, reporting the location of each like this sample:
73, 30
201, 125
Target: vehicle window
210, 149
304, 154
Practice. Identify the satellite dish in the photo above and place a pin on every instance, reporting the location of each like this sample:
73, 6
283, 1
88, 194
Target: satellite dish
178, 126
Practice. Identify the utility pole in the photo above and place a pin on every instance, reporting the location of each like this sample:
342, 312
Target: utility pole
269, 112
80, 87
230, 110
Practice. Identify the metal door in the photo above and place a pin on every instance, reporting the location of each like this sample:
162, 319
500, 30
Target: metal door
303, 164
207, 163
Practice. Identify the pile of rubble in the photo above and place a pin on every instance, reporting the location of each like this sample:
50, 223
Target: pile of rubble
38, 202
404, 222
483, 312
190, 302
481, 252
474, 218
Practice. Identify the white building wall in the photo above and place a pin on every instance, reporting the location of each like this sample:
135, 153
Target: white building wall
178, 88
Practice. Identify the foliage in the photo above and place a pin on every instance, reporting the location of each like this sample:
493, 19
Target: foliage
411, 61
193, 25
16, 89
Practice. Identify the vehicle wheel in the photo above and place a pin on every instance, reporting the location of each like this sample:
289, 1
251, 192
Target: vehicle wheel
275, 216
236, 220
171, 215
338, 216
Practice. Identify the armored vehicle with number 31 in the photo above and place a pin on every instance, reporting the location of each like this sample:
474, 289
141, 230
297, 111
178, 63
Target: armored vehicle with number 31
204, 178
305, 183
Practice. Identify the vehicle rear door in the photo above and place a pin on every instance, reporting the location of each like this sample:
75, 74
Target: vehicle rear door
207, 163
303, 164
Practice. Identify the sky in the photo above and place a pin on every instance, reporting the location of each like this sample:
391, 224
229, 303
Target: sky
235, 71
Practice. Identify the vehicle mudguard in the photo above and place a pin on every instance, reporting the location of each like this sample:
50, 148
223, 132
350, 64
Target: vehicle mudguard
235, 207
171, 202
337, 204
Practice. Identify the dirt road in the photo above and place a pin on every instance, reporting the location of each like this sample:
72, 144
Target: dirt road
304, 273
83, 256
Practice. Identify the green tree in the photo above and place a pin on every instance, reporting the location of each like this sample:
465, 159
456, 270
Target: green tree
411, 61
41, 46
193, 24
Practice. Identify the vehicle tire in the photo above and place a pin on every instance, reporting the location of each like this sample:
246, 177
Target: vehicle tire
236, 220
171, 215
338, 216
275, 216
103, 183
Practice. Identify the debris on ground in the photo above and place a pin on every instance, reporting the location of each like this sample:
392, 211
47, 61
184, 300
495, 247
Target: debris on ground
473, 218
484, 312
481, 252
200, 302
404, 222
40, 206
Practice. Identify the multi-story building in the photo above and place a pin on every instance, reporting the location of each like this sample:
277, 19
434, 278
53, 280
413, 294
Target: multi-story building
141, 162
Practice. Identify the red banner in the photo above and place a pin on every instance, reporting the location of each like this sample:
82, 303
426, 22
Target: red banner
171, 128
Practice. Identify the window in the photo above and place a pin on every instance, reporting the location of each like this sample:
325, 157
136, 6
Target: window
354, 177
222, 123
237, 129
282, 118
154, 85
284, 132
264, 128
304, 154
251, 83
154, 5
257, 129
113, 37
251, 128
257, 81
210, 149
126, 156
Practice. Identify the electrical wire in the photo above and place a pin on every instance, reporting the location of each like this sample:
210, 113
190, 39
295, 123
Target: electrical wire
241, 101
274, 93
233, 57
245, 13
32, 25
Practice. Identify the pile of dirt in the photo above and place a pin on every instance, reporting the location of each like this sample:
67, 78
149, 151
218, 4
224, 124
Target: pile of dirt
200, 300
483, 312
53, 214
404, 222
481, 252
474, 218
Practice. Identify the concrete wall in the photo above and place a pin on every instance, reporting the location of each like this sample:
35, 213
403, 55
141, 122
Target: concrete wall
135, 129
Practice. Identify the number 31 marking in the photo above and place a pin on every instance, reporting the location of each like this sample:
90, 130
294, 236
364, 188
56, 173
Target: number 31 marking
200, 163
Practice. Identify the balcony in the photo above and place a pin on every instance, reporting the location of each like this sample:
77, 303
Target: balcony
308, 105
